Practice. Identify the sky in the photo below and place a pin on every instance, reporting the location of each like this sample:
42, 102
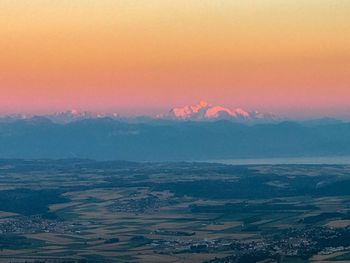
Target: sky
139, 57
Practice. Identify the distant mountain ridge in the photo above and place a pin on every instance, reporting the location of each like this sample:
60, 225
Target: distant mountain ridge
63, 117
75, 115
205, 111
168, 140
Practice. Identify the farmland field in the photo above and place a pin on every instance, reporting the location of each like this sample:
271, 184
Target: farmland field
86, 211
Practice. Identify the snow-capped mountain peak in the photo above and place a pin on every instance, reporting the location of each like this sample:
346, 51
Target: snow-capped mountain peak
202, 104
188, 111
206, 111
217, 112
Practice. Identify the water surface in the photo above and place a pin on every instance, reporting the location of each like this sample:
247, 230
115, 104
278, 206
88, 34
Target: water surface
330, 160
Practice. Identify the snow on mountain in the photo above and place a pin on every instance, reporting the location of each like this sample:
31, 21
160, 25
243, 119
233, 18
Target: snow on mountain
188, 112
199, 112
75, 115
206, 111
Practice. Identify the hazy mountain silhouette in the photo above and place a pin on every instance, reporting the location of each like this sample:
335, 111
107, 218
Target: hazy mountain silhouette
106, 138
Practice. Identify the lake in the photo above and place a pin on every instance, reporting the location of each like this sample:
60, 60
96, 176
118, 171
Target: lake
331, 160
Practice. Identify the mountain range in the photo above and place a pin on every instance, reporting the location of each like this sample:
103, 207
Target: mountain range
107, 138
203, 111
199, 132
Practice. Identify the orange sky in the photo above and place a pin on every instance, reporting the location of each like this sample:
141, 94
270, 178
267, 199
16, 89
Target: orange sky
144, 56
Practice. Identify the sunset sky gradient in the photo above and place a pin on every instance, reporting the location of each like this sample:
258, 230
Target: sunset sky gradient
144, 56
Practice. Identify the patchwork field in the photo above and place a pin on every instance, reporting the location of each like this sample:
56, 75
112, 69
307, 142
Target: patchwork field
86, 211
